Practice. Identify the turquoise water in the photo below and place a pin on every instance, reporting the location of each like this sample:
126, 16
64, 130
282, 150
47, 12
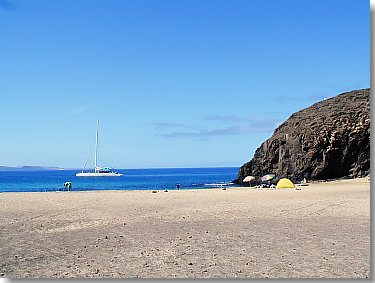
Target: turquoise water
133, 179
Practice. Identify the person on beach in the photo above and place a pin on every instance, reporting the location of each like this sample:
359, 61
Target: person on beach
178, 186
67, 185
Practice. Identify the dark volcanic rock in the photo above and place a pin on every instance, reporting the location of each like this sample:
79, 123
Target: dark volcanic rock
328, 140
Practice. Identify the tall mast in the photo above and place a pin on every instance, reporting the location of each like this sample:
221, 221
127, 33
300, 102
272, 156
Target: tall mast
96, 144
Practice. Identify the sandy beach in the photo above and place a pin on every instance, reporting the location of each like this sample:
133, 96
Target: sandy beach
321, 231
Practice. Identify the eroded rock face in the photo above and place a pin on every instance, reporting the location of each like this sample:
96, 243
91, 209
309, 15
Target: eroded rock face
328, 140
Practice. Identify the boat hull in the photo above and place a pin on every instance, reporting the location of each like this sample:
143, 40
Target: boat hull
94, 174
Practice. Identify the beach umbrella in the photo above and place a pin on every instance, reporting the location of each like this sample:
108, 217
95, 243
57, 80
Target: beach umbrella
285, 183
249, 179
267, 177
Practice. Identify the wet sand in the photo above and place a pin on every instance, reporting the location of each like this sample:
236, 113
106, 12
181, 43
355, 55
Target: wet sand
321, 231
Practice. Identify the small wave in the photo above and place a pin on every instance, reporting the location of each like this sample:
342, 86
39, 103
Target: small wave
223, 184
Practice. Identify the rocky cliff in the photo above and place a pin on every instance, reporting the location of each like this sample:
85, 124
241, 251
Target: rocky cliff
328, 140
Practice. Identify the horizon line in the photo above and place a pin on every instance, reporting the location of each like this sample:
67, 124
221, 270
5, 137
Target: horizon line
135, 168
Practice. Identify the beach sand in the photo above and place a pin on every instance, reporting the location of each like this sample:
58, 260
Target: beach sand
321, 231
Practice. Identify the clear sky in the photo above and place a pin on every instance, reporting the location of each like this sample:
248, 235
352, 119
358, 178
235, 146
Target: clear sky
174, 83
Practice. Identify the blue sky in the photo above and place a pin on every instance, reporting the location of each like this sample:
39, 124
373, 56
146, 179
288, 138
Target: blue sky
174, 83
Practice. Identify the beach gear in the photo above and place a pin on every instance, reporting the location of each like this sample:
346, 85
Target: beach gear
285, 183
267, 177
249, 179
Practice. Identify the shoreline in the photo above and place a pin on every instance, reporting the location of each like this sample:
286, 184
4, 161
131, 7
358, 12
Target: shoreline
114, 191
315, 182
321, 231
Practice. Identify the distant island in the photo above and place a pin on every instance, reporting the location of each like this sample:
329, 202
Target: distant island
28, 168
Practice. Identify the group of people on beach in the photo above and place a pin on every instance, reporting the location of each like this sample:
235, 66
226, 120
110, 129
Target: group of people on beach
304, 182
267, 185
67, 186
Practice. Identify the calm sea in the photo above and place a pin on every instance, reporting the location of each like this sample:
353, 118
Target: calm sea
133, 179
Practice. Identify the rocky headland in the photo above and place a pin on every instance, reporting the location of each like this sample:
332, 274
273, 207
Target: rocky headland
328, 140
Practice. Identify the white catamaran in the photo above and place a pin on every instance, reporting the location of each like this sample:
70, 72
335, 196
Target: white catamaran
98, 171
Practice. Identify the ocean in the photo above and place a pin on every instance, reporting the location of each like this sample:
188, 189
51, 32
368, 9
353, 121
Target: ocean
133, 179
